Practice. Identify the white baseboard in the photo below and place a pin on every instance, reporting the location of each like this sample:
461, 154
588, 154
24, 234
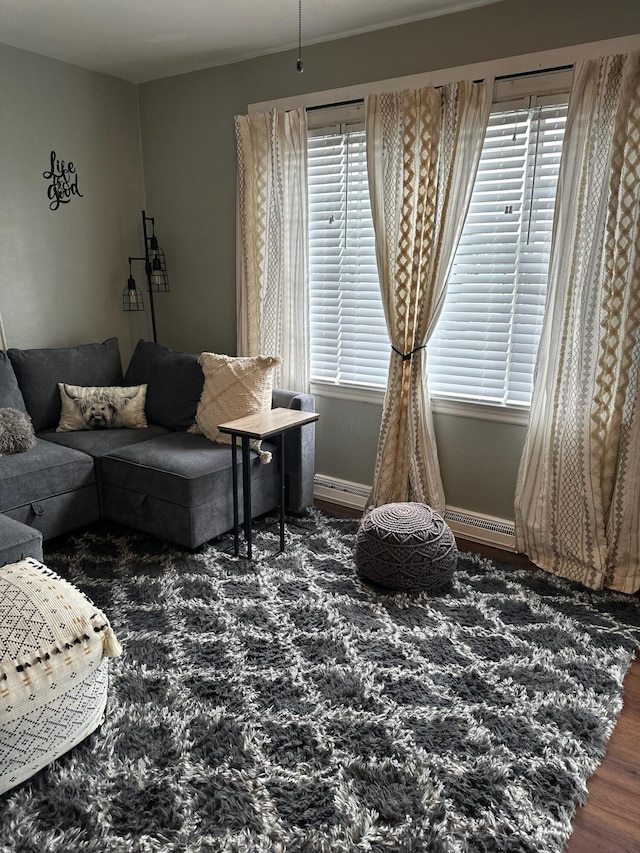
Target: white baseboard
484, 529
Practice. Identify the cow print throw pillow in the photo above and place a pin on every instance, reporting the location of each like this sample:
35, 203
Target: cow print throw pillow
101, 408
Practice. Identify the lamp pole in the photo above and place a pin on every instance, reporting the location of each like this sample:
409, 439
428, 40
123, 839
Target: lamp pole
147, 267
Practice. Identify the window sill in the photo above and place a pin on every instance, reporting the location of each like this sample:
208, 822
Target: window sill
440, 405
355, 393
480, 411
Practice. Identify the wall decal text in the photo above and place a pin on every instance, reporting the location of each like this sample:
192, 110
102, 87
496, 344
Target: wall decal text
64, 182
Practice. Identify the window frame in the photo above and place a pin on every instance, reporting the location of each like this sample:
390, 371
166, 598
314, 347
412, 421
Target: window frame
539, 88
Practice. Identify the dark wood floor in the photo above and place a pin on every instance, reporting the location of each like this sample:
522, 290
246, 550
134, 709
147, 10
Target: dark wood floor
610, 820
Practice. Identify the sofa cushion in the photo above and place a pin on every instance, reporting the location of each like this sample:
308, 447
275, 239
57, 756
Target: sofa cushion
47, 470
174, 384
38, 372
16, 432
106, 407
10, 394
178, 467
99, 442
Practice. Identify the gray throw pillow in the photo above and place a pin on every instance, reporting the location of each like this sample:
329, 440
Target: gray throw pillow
16, 432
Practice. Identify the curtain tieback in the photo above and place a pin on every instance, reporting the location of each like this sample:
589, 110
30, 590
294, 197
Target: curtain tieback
406, 356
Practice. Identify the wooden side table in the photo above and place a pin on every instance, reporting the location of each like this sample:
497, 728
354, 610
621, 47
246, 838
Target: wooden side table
272, 424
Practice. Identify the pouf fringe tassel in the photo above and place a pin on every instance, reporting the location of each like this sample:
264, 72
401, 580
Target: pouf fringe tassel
112, 648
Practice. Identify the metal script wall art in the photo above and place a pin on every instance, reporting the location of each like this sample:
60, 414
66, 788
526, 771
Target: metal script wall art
64, 182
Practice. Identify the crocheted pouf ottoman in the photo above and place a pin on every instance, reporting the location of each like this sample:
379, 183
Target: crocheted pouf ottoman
54, 645
406, 546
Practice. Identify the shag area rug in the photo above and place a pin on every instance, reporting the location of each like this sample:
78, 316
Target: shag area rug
285, 706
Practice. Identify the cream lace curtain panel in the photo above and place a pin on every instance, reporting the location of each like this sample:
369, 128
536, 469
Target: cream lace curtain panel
423, 149
272, 241
578, 492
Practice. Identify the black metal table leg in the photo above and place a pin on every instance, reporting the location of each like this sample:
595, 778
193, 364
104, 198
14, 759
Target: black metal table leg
280, 446
234, 475
260, 426
246, 493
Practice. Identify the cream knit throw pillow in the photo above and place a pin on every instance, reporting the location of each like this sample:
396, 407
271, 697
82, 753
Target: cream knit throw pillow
233, 388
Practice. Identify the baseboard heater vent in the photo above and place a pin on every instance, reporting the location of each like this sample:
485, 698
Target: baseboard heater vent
341, 492
482, 528
467, 525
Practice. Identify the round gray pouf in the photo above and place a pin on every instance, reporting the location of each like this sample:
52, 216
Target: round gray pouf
406, 546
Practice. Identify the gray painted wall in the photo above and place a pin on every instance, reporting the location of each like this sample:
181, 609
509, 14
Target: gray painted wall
189, 162
62, 272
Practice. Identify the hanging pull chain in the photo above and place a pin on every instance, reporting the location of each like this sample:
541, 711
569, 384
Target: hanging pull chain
299, 65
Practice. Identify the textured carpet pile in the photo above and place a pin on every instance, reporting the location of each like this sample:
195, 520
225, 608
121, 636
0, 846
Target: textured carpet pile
285, 706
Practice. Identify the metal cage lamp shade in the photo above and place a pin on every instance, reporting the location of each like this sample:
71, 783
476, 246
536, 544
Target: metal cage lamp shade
158, 277
132, 299
155, 267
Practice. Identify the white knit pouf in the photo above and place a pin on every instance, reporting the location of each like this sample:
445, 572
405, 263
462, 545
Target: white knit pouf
406, 546
54, 646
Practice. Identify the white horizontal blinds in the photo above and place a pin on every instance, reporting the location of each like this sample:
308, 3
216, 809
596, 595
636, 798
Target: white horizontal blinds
485, 343
349, 341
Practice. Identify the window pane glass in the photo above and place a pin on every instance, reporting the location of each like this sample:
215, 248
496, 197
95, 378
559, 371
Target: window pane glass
349, 342
485, 343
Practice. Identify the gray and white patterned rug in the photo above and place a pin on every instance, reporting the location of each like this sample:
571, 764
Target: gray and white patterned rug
287, 707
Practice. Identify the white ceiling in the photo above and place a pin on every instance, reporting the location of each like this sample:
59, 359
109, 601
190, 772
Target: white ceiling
141, 40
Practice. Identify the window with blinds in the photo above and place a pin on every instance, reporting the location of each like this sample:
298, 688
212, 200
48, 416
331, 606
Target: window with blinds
349, 341
486, 339
485, 343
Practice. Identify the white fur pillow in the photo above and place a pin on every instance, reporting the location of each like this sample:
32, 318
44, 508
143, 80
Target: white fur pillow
109, 407
233, 388
16, 432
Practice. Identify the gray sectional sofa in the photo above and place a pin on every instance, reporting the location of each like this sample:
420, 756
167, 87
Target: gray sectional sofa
160, 479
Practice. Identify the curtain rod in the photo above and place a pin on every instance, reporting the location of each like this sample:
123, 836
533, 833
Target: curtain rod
533, 73
500, 78
335, 104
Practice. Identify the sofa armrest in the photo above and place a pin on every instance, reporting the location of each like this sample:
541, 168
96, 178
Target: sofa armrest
299, 450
